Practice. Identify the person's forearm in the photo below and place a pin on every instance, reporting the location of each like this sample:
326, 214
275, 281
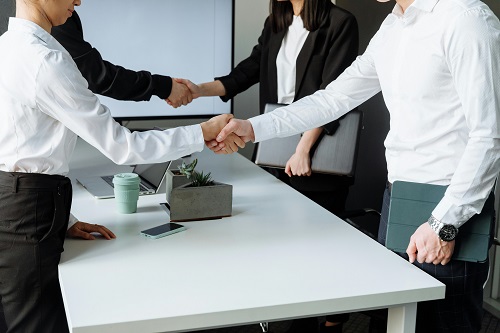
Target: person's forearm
308, 140
214, 88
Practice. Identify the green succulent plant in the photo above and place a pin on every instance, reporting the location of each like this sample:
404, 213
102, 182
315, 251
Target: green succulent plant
197, 179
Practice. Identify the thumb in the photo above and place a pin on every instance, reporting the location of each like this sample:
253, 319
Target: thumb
231, 127
411, 251
288, 169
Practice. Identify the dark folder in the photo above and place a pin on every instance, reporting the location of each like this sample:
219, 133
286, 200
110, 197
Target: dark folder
411, 205
335, 154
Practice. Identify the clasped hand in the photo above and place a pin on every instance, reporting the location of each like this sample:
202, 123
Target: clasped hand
211, 130
236, 130
426, 247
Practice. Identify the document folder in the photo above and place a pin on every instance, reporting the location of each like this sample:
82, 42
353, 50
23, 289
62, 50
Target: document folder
411, 205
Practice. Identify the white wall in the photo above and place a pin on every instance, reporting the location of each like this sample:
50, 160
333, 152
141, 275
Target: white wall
249, 18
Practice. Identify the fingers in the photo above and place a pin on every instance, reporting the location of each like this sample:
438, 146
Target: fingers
228, 129
299, 164
288, 170
193, 88
215, 146
242, 128
77, 233
445, 261
411, 251
84, 230
238, 141
234, 142
426, 247
213, 126
180, 94
229, 146
105, 232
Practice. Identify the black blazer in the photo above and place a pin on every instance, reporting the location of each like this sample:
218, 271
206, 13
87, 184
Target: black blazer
326, 53
102, 76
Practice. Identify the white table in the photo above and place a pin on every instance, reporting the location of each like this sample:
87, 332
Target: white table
279, 256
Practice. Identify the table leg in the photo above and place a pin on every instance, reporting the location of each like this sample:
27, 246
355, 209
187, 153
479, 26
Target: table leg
402, 319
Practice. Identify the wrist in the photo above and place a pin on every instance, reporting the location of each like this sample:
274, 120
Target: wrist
203, 89
445, 232
302, 150
206, 129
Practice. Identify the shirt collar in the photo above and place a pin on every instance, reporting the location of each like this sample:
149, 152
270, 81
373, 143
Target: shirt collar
18, 24
423, 5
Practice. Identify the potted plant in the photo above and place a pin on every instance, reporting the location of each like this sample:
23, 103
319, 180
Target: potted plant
201, 198
174, 178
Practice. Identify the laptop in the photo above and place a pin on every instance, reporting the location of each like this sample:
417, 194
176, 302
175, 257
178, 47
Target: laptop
335, 154
152, 177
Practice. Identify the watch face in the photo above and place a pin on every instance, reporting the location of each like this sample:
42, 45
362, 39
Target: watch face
448, 232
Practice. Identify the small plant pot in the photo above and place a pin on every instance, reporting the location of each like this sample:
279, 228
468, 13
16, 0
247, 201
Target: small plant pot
188, 203
173, 179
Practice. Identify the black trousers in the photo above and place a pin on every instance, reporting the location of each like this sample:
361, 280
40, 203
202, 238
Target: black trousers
34, 214
461, 310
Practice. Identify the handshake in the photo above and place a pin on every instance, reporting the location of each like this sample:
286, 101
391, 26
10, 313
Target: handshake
184, 91
224, 134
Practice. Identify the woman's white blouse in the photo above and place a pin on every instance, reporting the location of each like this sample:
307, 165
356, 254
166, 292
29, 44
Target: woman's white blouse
286, 61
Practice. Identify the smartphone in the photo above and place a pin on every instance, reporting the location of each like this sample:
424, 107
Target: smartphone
163, 230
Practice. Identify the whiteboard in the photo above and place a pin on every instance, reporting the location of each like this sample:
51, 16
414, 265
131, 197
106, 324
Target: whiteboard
189, 39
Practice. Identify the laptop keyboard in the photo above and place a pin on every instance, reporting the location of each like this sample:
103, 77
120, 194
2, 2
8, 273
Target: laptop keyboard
109, 180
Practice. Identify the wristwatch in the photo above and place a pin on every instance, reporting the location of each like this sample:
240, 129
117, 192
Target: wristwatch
445, 232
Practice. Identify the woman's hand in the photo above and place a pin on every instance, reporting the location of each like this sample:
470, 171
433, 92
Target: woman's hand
84, 230
299, 165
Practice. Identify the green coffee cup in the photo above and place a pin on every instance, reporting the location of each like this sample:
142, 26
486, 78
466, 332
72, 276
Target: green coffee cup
126, 192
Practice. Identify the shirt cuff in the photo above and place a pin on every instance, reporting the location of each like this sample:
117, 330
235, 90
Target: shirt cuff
263, 127
448, 213
162, 86
196, 137
72, 221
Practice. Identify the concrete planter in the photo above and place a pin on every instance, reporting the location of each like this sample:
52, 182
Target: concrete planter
173, 179
189, 203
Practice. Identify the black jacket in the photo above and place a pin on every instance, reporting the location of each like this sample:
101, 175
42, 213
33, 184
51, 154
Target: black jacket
326, 53
103, 77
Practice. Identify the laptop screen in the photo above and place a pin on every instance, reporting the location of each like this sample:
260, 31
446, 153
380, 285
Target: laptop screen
152, 173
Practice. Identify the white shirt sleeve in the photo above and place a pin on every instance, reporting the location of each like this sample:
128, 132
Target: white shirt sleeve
62, 94
473, 59
356, 84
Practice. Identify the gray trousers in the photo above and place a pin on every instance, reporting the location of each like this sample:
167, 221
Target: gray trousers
34, 214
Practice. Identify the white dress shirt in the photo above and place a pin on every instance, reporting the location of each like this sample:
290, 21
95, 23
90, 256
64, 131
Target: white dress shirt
45, 104
438, 67
286, 61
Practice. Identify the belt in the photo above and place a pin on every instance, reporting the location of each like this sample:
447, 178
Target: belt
25, 181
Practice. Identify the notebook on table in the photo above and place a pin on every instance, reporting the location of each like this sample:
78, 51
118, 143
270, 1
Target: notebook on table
411, 205
335, 154
152, 177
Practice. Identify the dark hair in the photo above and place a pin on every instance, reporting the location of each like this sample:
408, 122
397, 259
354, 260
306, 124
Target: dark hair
312, 14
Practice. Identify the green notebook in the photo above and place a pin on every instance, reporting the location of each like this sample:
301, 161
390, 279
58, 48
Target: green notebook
412, 204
